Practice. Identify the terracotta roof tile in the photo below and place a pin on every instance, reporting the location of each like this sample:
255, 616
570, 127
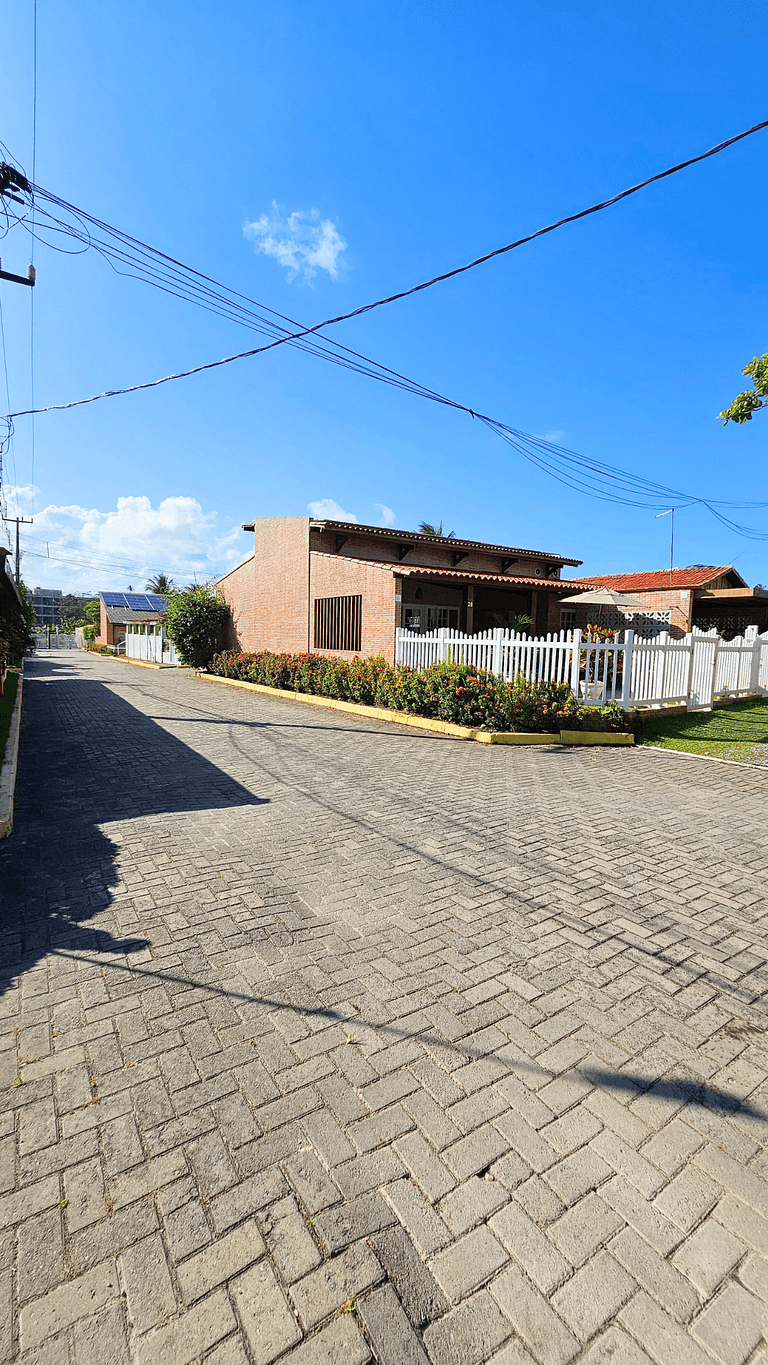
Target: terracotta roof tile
468, 575
696, 576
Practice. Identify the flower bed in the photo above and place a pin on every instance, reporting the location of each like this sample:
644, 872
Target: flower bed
453, 692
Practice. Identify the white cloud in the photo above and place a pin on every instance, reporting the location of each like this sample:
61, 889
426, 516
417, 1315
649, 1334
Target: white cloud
300, 242
554, 437
83, 549
386, 514
327, 508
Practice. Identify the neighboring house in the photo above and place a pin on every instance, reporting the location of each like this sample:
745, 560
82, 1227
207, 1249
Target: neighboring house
703, 595
340, 588
120, 609
47, 605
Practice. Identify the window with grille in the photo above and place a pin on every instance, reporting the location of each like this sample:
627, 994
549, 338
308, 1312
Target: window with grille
339, 623
567, 618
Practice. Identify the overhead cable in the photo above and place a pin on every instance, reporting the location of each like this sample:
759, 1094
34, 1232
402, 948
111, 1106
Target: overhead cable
130, 255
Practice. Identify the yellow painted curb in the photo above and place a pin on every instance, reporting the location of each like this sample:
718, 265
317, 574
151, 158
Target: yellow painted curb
595, 737
441, 727
514, 737
8, 767
138, 663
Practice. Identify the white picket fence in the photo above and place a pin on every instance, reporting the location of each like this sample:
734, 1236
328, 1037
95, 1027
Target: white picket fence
150, 643
632, 671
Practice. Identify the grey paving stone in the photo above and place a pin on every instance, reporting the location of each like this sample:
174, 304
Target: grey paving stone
468, 1263
220, 1260
530, 1247
40, 1255
471, 1203
341, 1343
149, 1291
311, 1182
425, 1226
533, 1319
417, 1289
476, 1153
100, 1338
594, 1295
334, 1283
267, 1321
732, 1326
708, 1256
388, 1329
339, 1227
65, 1305
657, 1276
468, 1334
291, 1248
188, 1336
583, 1228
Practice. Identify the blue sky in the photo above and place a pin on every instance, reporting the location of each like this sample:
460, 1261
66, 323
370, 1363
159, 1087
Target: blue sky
420, 136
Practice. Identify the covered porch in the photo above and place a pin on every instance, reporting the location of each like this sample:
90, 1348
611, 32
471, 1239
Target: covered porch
435, 599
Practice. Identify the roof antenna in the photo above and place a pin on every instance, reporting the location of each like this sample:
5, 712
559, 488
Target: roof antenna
670, 512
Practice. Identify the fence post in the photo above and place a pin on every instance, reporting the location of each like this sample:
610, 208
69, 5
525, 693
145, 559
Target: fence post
626, 679
496, 664
575, 662
442, 645
754, 663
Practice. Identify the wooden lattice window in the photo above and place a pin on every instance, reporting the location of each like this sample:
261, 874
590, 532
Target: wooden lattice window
339, 623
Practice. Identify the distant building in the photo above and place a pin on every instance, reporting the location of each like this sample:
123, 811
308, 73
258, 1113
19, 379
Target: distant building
74, 603
47, 605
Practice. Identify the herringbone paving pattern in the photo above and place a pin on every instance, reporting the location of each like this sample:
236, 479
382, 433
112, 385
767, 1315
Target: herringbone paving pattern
326, 1042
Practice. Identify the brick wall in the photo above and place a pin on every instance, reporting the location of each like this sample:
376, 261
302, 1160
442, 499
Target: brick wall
236, 588
269, 594
679, 601
333, 575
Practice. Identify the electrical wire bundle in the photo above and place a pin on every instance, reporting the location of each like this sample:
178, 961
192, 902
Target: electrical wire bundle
56, 222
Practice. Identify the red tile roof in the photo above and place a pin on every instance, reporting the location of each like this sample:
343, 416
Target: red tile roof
697, 576
470, 576
467, 576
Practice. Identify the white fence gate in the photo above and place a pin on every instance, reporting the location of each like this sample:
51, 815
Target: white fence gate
631, 671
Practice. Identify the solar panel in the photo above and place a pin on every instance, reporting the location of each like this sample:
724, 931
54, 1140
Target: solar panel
135, 601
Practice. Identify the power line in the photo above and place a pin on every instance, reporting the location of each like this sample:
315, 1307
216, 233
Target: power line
575, 471
426, 284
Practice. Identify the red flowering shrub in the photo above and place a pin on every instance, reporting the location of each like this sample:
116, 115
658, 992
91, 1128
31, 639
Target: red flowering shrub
447, 691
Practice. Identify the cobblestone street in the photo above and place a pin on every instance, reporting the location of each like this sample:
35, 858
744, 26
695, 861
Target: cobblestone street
325, 1040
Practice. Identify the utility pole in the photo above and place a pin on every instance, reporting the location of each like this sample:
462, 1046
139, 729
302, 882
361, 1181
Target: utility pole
11, 179
20, 521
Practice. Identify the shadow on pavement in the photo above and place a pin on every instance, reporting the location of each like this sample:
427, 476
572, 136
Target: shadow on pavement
682, 1091
87, 758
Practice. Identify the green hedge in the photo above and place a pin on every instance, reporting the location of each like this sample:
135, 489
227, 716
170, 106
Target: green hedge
454, 692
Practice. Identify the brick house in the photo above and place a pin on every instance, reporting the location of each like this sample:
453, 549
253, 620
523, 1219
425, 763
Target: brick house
120, 609
340, 588
703, 595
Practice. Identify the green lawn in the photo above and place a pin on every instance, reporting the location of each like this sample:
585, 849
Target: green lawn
6, 710
739, 731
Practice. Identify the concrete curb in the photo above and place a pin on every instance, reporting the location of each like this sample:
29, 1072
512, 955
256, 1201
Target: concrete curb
10, 764
137, 663
702, 758
441, 727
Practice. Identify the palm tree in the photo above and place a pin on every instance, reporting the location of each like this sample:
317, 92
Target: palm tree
427, 529
161, 584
